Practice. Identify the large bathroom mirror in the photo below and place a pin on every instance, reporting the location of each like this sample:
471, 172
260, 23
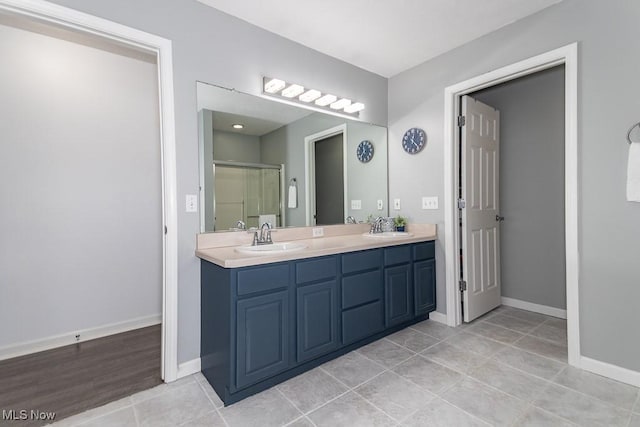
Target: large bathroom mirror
267, 161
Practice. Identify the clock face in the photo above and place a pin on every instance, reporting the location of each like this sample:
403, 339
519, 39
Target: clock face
365, 151
414, 140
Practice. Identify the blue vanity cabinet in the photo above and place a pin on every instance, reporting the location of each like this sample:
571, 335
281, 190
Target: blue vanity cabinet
398, 285
264, 324
424, 277
317, 309
362, 295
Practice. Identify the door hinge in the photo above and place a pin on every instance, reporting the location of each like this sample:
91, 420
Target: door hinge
461, 204
463, 285
461, 121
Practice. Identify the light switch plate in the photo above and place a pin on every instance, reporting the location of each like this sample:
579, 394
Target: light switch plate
430, 202
356, 204
380, 204
396, 204
318, 232
191, 203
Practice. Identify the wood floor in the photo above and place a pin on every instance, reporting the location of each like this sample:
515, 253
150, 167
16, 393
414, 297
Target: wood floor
69, 380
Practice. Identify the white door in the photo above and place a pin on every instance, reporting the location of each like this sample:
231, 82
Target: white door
480, 216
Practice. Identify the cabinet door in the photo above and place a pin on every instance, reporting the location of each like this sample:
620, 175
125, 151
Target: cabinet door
262, 337
317, 315
424, 273
398, 294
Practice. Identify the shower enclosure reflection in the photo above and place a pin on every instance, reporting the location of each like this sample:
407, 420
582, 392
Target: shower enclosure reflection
250, 193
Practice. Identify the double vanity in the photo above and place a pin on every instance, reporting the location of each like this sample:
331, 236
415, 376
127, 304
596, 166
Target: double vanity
270, 314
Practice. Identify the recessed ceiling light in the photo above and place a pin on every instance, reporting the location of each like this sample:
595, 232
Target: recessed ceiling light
237, 126
310, 95
274, 85
292, 91
354, 108
326, 100
339, 105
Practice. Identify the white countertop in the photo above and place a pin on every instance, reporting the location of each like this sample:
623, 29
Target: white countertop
341, 239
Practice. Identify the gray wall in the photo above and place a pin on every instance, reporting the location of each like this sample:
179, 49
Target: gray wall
532, 248
609, 229
80, 217
205, 44
236, 147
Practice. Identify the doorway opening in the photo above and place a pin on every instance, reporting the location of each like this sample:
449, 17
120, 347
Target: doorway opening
110, 32
325, 175
453, 100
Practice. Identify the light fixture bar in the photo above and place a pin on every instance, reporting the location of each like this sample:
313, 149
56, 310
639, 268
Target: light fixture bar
273, 85
326, 100
341, 104
354, 108
292, 91
296, 93
310, 95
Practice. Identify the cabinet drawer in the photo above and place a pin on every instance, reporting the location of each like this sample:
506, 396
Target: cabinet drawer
263, 278
362, 322
426, 250
361, 288
317, 269
397, 255
360, 261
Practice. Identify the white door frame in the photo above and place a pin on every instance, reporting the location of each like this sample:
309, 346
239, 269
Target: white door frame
567, 55
310, 168
160, 47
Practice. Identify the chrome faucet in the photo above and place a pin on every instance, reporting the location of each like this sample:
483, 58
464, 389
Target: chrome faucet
350, 220
376, 226
240, 225
265, 235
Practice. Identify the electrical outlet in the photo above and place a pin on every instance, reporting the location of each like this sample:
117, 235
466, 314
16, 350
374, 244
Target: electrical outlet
318, 232
192, 203
380, 204
356, 204
430, 202
396, 204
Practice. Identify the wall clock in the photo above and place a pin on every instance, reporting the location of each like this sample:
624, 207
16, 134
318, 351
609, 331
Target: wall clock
365, 151
414, 140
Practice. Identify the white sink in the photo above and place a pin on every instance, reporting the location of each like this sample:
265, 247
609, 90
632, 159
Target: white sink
274, 248
388, 235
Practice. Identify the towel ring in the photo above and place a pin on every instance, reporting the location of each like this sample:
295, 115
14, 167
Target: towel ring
637, 125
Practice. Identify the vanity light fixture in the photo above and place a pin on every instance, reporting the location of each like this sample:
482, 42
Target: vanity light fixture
295, 93
237, 126
292, 91
341, 104
274, 85
354, 108
326, 100
310, 95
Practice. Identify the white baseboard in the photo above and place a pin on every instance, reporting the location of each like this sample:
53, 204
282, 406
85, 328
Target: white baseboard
608, 370
188, 368
536, 308
436, 316
29, 347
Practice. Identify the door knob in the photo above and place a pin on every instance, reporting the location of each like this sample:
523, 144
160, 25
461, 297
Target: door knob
499, 218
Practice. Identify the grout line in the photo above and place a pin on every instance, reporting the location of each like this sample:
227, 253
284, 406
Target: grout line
215, 408
291, 402
135, 413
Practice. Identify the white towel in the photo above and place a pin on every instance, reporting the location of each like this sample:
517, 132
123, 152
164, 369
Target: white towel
293, 196
633, 173
270, 219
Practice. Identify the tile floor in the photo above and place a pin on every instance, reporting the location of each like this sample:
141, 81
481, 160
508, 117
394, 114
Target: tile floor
507, 368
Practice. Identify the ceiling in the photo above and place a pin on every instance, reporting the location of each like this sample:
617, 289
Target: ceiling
385, 37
